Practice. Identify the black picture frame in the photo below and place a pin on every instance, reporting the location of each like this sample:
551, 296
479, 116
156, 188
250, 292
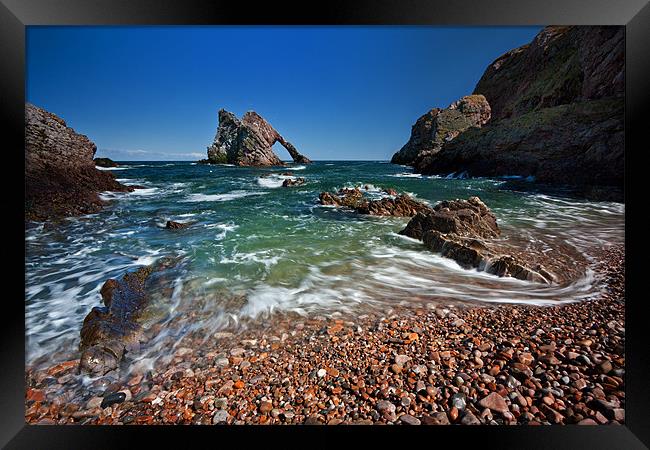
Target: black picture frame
15, 15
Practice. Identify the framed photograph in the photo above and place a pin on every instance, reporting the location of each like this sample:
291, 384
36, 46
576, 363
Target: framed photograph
413, 215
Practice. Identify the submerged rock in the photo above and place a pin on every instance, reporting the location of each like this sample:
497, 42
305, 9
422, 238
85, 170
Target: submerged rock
462, 230
248, 142
105, 162
438, 126
60, 175
109, 331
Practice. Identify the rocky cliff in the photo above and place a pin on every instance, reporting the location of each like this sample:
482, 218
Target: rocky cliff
438, 126
557, 110
60, 175
561, 65
248, 142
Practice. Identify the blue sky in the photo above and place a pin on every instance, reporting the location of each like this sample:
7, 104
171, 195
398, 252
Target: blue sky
152, 93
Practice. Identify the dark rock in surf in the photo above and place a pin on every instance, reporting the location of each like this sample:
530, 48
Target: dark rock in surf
350, 198
171, 225
464, 230
60, 175
248, 142
470, 218
399, 206
109, 331
289, 182
105, 162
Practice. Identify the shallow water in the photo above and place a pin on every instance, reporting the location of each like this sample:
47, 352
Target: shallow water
280, 250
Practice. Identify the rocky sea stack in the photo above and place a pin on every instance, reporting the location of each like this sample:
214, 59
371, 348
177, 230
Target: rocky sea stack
556, 115
248, 142
60, 175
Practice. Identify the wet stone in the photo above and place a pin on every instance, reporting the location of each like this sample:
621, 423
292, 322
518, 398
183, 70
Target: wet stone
112, 399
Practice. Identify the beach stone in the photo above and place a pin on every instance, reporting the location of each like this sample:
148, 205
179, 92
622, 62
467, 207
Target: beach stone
387, 409
605, 367
495, 402
470, 419
313, 420
112, 399
266, 406
409, 419
94, 403
237, 351
587, 421
220, 416
436, 419
458, 401
549, 359
402, 359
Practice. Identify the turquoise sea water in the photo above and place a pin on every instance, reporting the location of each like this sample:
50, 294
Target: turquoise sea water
279, 250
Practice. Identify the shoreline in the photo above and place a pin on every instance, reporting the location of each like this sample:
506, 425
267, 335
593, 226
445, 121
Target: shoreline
492, 364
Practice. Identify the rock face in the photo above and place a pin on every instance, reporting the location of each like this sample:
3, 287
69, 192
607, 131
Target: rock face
399, 206
463, 230
579, 143
438, 126
105, 162
248, 142
117, 327
557, 114
563, 64
60, 175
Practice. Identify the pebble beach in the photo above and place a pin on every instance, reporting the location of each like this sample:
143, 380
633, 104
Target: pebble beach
497, 365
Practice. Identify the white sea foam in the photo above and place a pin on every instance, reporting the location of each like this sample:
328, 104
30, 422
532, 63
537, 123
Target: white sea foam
407, 175
146, 192
224, 227
112, 168
221, 197
273, 180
